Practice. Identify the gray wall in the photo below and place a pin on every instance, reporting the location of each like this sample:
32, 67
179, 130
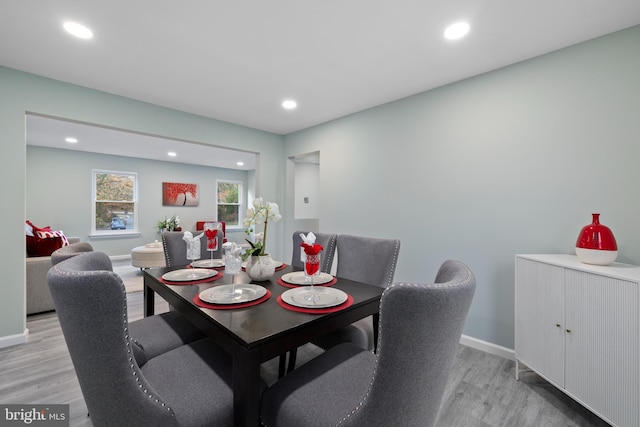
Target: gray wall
21, 93
68, 207
512, 161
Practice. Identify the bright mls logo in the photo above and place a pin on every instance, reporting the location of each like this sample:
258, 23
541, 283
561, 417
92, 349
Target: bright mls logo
37, 415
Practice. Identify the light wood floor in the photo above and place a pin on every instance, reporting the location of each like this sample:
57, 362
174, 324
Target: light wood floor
482, 389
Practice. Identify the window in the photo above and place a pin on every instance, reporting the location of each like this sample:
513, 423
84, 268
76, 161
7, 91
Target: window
229, 202
115, 203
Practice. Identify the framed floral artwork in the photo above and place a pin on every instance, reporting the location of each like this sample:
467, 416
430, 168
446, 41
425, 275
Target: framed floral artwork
179, 194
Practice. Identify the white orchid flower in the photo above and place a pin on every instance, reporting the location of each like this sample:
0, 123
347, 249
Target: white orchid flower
259, 214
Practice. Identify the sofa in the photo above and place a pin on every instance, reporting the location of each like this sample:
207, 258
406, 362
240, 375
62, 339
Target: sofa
38, 296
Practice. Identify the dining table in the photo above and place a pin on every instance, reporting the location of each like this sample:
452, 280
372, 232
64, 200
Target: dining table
253, 334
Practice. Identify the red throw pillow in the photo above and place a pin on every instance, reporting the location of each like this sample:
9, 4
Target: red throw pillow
44, 241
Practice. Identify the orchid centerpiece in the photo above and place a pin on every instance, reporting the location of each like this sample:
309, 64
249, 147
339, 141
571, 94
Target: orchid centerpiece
260, 213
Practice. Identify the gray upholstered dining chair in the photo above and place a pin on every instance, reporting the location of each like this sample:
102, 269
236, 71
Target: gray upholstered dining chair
363, 259
402, 384
328, 242
152, 335
175, 248
189, 385
69, 251
367, 260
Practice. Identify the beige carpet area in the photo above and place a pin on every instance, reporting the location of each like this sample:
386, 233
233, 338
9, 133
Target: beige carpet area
131, 276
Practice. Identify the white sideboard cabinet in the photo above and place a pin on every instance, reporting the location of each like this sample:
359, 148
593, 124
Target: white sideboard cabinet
577, 326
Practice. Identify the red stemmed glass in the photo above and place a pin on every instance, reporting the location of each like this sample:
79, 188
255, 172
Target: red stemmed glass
212, 241
311, 267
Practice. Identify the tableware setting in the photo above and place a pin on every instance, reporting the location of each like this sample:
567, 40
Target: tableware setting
189, 276
241, 293
211, 233
324, 301
311, 266
300, 278
193, 248
229, 297
209, 263
232, 264
322, 297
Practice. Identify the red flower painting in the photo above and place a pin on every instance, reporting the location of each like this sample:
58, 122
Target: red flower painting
178, 194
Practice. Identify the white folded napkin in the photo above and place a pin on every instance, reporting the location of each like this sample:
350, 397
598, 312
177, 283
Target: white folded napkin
309, 239
233, 249
193, 244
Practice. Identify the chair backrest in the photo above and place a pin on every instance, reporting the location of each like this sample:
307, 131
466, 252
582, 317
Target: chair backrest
91, 305
175, 248
367, 259
420, 327
69, 251
328, 242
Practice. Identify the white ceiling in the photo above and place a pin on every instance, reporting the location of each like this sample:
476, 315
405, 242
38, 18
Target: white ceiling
52, 132
237, 61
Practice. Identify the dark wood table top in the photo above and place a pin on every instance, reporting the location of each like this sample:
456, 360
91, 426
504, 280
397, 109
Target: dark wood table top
266, 322
255, 334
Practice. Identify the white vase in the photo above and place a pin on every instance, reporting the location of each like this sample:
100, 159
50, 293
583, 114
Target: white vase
260, 268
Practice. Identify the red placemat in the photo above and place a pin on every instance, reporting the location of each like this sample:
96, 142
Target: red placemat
193, 282
197, 301
291, 285
342, 306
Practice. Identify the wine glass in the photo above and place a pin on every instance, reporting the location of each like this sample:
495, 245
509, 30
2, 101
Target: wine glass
212, 241
232, 265
311, 267
193, 254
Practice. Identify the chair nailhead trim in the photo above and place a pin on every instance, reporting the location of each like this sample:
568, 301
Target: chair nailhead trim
128, 339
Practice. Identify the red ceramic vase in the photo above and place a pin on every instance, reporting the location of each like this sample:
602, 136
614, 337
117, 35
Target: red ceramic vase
596, 243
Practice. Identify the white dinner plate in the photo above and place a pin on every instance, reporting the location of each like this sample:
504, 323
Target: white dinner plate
277, 264
323, 297
242, 293
298, 278
209, 263
188, 274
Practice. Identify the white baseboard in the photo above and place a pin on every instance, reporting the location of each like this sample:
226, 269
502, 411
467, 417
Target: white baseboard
10, 340
488, 347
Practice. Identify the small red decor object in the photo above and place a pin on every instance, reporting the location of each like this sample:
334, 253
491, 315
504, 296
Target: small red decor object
212, 242
596, 244
314, 249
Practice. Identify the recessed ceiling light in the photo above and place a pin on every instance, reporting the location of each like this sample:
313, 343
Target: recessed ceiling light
78, 30
289, 104
239, 163
71, 140
456, 31
172, 154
